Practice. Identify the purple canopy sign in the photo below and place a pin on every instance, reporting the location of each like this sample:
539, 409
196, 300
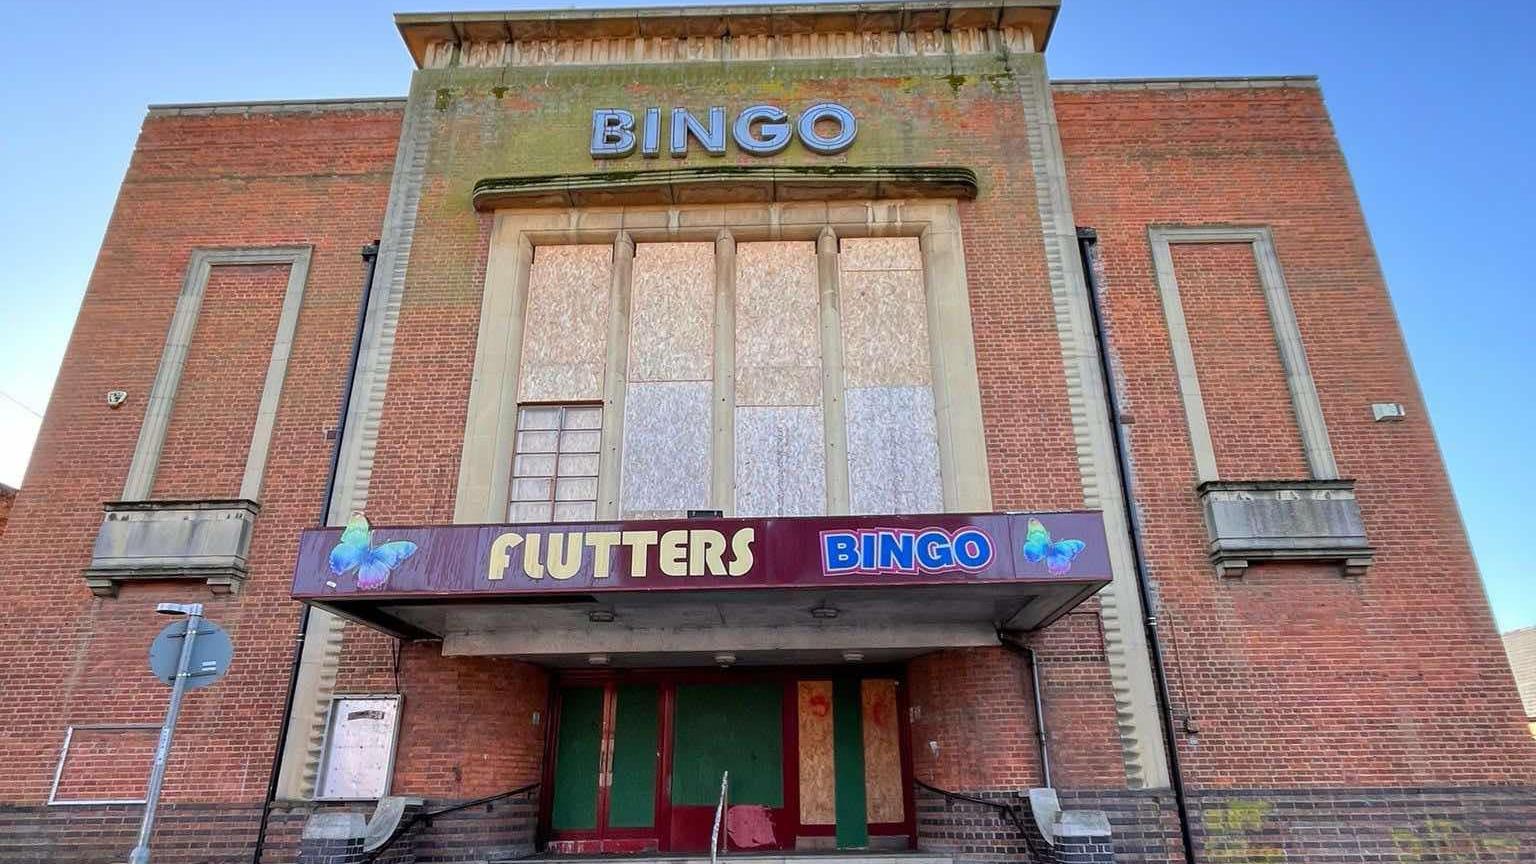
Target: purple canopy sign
694, 554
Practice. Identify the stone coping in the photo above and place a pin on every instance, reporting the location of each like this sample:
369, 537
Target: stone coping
421, 29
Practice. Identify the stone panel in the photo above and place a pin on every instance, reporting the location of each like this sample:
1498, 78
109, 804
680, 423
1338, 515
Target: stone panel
893, 451
671, 330
779, 466
565, 341
666, 447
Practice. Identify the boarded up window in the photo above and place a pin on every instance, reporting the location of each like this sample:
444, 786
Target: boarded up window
359, 747
728, 727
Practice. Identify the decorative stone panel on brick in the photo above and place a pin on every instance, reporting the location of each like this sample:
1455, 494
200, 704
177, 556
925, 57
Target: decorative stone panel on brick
141, 540
1302, 520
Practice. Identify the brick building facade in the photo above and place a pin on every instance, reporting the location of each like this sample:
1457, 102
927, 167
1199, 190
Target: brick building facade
1150, 305
7, 500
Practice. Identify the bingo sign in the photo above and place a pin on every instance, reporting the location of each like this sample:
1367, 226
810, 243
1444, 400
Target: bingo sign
362, 561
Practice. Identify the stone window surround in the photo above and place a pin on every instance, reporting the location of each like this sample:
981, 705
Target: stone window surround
206, 537
1293, 357
1282, 519
162, 395
485, 468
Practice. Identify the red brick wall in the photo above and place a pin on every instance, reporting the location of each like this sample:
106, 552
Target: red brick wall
209, 436
479, 724
973, 720
1293, 675
226, 180
1253, 425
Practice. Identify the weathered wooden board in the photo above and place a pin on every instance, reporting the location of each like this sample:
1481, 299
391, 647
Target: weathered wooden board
883, 790
818, 779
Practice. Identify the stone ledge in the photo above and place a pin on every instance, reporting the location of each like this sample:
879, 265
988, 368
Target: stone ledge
1284, 520
725, 184
155, 540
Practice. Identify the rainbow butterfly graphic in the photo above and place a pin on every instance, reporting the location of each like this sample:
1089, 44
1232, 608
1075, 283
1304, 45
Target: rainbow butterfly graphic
1057, 554
373, 563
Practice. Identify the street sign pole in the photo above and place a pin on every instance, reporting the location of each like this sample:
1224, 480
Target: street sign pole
194, 612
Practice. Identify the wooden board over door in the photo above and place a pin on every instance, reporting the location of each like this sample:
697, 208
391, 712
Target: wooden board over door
884, 792
818, 779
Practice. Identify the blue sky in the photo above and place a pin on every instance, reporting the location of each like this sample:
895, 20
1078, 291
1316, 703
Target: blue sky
1433, 104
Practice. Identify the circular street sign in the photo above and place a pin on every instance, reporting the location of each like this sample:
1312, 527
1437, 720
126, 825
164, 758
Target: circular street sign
211, 652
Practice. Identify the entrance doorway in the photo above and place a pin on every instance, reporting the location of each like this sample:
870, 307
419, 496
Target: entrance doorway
816, 760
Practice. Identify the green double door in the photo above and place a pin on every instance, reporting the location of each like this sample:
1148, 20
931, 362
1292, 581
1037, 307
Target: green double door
637, 766
607, 755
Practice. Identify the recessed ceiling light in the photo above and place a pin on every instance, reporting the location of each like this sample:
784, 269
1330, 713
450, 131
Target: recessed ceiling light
854, 656
724, 659
597, 659
824, 612
600, 616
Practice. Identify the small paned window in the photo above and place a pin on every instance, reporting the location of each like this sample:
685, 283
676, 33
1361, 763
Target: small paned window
554, 468
359, 752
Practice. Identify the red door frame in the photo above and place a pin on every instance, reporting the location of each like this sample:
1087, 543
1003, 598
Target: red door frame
657, 838
601, 838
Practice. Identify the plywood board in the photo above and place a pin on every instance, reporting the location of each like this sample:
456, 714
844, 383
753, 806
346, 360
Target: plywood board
632, 794
818, 783
667, 455
893, 451
778, 324
883, 790
577, 753
565, 335
884, 313
672, 312
728, 727
780, 464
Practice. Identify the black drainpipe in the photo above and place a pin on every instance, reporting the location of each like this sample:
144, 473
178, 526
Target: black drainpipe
370, 261
1087, 240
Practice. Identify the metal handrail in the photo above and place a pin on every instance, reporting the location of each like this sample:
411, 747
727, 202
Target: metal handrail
1009, 809
428, 815
718, 830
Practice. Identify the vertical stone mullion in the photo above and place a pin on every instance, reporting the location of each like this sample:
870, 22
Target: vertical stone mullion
723, 446
615, 379
832, 399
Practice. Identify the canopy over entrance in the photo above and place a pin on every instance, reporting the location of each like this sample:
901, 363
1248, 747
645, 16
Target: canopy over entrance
709, 591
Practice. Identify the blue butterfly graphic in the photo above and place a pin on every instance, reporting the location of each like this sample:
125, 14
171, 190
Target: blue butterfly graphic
1057, 554
373, 563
